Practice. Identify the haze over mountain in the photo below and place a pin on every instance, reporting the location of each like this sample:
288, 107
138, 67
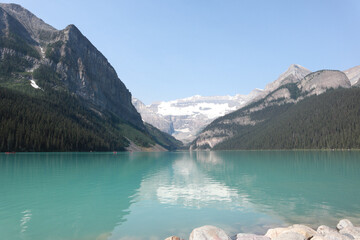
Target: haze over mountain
51, 66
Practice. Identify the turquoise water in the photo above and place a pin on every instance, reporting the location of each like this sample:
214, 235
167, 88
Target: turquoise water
154, 195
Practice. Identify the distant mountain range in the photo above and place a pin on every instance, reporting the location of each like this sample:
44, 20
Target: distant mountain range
185, 118
75, 100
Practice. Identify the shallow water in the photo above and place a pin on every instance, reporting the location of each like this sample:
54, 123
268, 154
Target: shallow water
154, 195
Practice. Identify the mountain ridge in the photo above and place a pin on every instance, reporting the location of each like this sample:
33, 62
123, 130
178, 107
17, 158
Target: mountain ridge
44, 63
277, 96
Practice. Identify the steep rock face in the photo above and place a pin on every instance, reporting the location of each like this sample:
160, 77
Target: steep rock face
88, 73
354, 75
8, 25
149, 116
36, 27
82, 69
320, 81
291, 87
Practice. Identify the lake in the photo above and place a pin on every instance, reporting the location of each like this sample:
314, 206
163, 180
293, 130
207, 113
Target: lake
110, 196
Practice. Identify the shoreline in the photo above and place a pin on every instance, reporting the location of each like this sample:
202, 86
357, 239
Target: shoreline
344, 230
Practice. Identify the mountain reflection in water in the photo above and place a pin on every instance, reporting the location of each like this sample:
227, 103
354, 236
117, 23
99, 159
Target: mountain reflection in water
155, 195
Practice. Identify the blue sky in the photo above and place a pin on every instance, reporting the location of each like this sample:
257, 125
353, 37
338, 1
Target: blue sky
169, 49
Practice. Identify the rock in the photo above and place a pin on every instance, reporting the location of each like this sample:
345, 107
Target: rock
351, 232
306, 231
331, 236
208, 233
173, 238
290, 236
323, 230
246, 236
274, 232
104, 236
344, 223
318, 82
346, 228
318, 237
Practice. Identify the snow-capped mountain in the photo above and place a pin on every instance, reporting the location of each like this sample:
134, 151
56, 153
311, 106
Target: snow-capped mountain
184, 118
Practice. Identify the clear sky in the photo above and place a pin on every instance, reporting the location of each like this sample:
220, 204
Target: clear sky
170, 49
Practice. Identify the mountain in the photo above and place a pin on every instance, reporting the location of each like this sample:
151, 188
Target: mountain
354, 75
327, 121
43, 63
283, 94
185, 118
292, 75
151, 117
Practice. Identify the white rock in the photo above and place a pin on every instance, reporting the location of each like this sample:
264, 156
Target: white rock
344, 223
274, 232
318, 237
208, 233
323, 230
290, 236
246, 236
306, 231
331, 236
351, 232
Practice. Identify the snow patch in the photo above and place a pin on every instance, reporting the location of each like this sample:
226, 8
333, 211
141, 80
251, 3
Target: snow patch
42, 52
34, 85
184, 130
210, 110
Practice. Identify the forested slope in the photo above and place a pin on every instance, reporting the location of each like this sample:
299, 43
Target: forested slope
328, 121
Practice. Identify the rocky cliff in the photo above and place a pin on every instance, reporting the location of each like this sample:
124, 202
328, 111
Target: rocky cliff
80, 68
77, 101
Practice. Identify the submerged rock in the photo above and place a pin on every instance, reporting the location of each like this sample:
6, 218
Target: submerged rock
173, 238
104, 236
247, 236
208, 233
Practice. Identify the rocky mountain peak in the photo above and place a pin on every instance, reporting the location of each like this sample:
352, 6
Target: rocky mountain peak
80, 67
292, 75
318, 82
72, 28
34, 25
